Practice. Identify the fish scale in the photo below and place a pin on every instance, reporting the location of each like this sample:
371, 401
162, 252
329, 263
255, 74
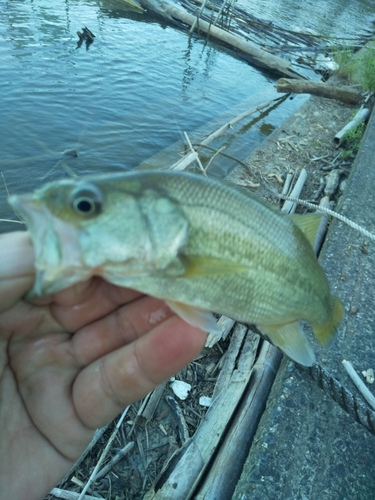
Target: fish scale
200, 244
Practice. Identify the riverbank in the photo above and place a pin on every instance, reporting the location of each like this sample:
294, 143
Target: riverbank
304, 141
306, 446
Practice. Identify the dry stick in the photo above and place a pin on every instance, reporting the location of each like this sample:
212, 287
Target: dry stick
290, 206
152, 402
287, 183
359, 384
194, 152
15, 221
119, 456
184, 162
220, 152
71, 495
104, 454
322, 228
213, 157
235, 120
7, 190
183, 429
98, 434
361, 116
220, 12
198, 16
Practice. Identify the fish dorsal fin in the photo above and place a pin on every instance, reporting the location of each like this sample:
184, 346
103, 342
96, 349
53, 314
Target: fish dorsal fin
308, 224
196, 266
204, 320
252, 195
291, 340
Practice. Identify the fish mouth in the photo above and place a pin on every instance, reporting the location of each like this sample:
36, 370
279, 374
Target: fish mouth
58, 261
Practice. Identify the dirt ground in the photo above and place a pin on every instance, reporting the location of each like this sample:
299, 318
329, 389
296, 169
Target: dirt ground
306, 140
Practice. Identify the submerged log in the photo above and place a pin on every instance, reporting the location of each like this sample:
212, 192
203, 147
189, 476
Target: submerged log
245, 49
317, 88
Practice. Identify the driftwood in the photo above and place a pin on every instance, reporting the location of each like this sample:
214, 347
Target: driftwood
361, 116
184, 470
317, 88
193, 155
221, 480
243, 48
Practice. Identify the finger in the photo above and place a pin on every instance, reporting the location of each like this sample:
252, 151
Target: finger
122, 377
88, 301
121, 327
16, 267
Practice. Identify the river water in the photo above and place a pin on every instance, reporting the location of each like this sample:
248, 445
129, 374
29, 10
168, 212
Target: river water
132, 92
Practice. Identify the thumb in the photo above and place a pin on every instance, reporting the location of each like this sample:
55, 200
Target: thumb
16, 267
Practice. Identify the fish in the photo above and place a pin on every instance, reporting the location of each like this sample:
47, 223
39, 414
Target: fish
202, 245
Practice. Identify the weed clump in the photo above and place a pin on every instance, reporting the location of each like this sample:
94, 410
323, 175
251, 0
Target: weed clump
359, 69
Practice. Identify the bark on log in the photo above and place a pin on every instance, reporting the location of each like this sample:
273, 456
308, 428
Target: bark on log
317, 88
245, 50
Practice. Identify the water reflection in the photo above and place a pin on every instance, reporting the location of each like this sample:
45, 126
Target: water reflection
343, 18
132, 94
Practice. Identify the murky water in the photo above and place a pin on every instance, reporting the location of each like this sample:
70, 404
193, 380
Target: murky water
336, 18
129, 94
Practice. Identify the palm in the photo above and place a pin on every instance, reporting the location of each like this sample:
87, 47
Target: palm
69, 366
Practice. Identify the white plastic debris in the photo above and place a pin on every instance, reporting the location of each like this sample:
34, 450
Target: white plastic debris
369, 375
181, 389
205, 401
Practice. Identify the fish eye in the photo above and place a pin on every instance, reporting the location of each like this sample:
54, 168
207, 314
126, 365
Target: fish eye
87, 200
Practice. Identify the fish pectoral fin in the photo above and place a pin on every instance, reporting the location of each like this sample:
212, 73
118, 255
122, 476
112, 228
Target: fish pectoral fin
291, 340
308, 224
196, 266
204, 320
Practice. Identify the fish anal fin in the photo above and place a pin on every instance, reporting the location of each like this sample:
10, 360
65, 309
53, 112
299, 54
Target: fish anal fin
204, 320
291, 340
308, 224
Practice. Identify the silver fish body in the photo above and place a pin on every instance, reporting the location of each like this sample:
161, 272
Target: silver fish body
198, 243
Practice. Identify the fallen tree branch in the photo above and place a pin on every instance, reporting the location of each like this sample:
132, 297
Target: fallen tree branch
361, 116
193, 155
247, 50
318, 88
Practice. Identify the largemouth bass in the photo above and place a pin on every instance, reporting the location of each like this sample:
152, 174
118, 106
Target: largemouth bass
200, 244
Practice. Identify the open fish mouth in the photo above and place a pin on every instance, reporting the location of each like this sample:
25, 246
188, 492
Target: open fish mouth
58, 257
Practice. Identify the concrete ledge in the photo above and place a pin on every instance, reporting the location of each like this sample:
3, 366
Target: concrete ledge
306, 447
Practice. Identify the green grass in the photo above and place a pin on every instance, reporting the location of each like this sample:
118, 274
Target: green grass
352, 141
358, 67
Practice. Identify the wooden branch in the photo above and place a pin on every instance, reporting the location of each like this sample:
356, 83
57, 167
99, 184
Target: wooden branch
187, 466
70, 495
247, 50
222, 477
362, 115
318, 88
193, 155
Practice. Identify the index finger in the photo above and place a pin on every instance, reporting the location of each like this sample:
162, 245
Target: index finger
16, 267
87, 302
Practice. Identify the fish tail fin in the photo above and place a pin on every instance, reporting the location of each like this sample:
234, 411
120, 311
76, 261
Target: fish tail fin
308, 224
325, 333
291, 340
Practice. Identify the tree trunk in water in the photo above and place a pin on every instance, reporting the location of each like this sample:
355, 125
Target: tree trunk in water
320, 89
245, 50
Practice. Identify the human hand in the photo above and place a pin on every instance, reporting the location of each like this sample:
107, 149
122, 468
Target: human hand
69, 363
